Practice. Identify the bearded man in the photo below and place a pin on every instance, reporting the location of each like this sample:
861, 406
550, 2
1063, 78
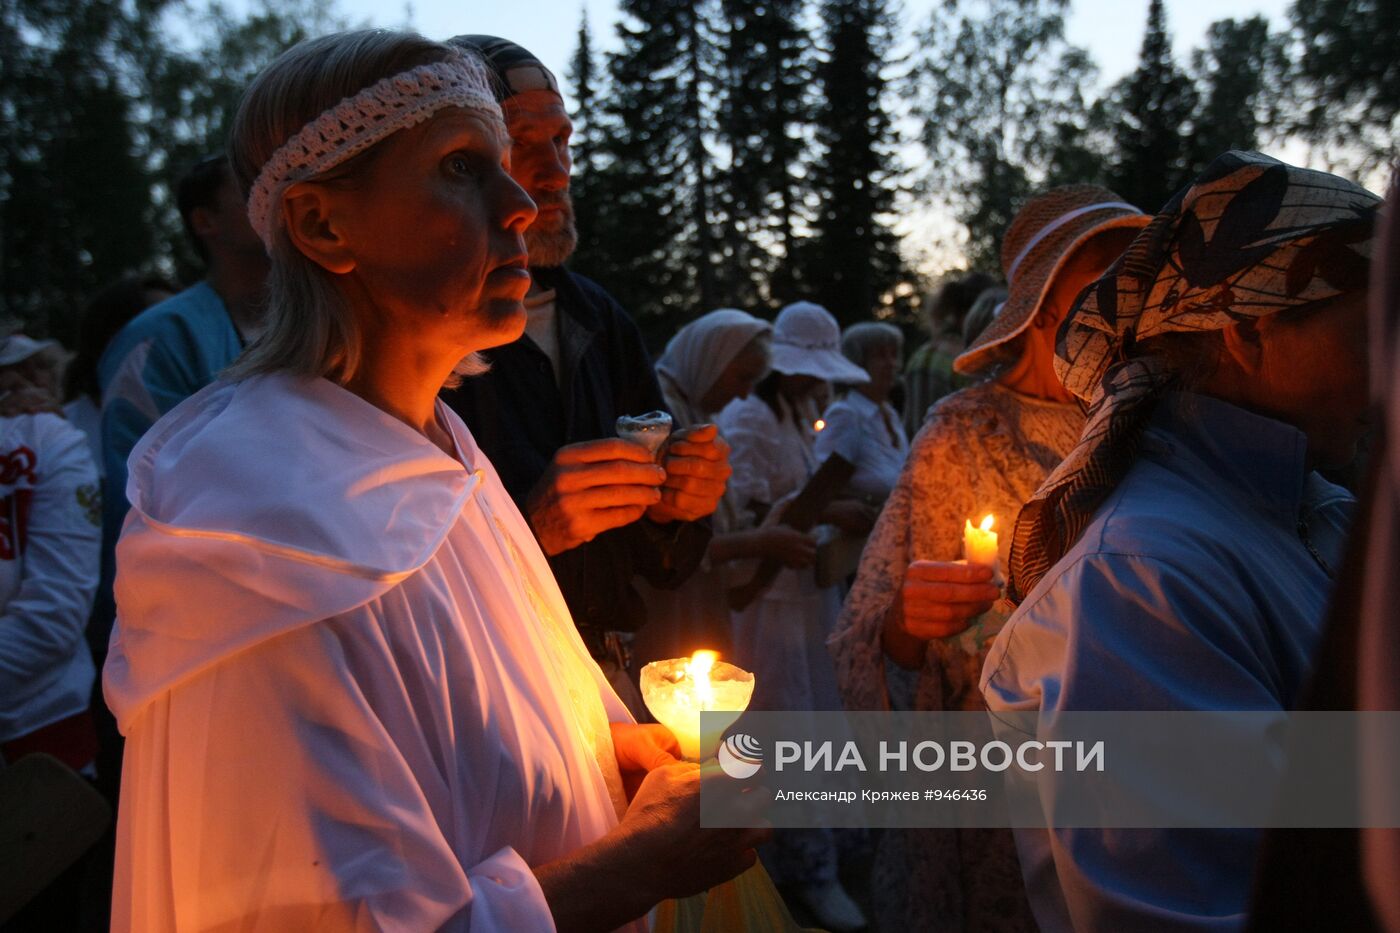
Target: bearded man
602, 510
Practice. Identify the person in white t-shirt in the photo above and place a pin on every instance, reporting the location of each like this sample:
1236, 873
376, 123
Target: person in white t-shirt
50, 529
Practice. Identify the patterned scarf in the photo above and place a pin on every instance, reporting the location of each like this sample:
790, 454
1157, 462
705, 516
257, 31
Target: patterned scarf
1250, 237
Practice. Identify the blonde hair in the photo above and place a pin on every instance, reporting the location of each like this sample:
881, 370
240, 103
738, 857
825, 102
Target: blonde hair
310, 328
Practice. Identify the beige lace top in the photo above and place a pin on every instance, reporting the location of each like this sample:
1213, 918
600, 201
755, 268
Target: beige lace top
983, 449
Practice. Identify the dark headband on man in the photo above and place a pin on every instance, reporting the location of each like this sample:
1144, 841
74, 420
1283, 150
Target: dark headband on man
515, 69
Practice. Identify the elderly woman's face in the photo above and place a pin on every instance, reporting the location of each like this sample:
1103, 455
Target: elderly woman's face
434, 227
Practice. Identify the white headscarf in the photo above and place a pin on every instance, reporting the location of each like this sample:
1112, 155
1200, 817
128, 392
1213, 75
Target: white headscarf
697, 356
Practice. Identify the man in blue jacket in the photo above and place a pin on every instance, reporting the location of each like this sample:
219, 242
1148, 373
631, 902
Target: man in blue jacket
175, 348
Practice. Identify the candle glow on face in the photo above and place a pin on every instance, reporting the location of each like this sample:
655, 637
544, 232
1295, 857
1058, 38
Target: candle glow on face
677, 691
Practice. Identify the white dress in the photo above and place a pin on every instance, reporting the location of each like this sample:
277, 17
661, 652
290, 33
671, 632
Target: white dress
871, 437
352, 694
781, 636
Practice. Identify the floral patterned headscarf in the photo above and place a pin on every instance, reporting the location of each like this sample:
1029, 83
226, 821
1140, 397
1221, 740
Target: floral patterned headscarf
1250, 237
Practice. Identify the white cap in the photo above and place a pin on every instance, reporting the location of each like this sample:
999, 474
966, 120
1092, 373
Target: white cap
17, 348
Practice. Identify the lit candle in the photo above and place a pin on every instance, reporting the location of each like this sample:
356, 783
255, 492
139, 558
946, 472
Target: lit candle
677, 691
980, 543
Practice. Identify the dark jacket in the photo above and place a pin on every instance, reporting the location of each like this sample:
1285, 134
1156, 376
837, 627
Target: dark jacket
519, 417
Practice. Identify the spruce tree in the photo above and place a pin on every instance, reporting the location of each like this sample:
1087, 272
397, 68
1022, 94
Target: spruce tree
852, 261
586, 147
76, 205
657, 246
1153, 111
764, 105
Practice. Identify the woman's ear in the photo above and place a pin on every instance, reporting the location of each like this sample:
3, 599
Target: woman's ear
1244, 344
311, 216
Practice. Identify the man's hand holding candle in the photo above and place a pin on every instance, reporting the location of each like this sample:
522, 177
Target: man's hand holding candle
592, 487
697, 470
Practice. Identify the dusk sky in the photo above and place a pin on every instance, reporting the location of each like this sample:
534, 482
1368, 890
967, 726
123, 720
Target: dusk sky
1110, 29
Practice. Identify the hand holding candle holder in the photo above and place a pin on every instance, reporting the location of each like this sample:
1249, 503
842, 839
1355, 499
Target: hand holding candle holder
676, 692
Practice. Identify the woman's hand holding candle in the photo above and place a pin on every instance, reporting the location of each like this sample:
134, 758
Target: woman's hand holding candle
640, 749
657, 851
672, 850
938, 599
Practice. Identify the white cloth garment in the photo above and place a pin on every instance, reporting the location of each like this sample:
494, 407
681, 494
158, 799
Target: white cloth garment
50, 532
860, 431
780, 636
352, 694
699, 354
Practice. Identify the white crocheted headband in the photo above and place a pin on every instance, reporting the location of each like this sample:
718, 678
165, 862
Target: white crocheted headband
356, 123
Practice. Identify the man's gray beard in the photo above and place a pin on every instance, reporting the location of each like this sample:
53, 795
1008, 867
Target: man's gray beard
548, 249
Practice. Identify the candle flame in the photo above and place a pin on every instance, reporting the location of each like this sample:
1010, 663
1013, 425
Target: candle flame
819, 425
701, 663
987, 522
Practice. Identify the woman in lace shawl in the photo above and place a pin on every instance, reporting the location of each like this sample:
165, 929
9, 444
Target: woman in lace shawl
984, 449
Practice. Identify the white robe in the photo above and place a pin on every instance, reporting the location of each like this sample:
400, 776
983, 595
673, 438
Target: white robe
352, 693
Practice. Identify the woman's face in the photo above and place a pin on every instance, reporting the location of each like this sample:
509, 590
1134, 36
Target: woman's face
1082, 268
1313, 374
882, 363
739, 377
434, 225
797, 387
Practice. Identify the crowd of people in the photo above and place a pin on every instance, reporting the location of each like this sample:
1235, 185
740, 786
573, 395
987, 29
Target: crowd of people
332, 574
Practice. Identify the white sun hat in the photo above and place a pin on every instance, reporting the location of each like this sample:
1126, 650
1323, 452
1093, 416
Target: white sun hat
807, 342
17, 348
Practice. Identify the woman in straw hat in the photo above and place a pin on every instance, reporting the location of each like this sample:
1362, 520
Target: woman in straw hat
984, 449
352, 693
1182, 555
780, 635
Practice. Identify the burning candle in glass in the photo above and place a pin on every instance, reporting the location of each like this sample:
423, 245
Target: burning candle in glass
980, 543
678, 690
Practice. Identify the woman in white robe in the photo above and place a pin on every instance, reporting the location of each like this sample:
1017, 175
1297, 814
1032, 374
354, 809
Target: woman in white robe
352, 693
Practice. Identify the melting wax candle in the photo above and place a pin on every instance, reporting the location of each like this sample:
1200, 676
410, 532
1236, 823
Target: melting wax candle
980, 543
678, 690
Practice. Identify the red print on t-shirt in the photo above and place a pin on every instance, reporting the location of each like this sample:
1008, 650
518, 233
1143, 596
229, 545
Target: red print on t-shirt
14, 509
